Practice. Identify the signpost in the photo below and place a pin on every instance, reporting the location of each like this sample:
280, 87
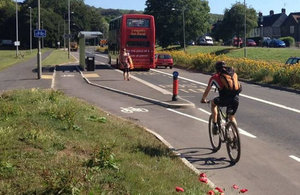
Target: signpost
40, 33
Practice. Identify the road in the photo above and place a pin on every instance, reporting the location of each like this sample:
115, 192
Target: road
268, 118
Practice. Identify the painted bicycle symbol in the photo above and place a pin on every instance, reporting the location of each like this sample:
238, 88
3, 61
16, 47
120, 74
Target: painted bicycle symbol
130, 110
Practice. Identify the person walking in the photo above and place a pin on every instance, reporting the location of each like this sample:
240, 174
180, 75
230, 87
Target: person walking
126, 64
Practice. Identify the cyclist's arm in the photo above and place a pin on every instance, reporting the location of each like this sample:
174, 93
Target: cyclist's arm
206, 92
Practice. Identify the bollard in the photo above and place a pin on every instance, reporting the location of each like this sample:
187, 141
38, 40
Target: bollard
175, 85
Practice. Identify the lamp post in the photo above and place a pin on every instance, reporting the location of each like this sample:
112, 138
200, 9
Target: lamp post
69, 33
17, 31
30, 30
183, 26
245, 28
39, 58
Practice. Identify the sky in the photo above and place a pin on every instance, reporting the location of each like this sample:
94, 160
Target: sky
216, 6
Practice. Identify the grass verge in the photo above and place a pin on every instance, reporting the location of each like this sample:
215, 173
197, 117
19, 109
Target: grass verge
8, 57
53, 144
57, 57
279, 55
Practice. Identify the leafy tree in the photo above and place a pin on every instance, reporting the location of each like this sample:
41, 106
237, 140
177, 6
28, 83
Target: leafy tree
7, 19
233, 22
169, 19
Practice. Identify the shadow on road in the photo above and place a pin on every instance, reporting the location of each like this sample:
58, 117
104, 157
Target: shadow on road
203, 159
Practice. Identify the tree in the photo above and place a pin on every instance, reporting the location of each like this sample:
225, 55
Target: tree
233, 22
7, 19
168, 16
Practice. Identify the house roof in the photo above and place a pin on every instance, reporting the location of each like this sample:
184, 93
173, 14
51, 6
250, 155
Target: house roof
271, 19
296, 16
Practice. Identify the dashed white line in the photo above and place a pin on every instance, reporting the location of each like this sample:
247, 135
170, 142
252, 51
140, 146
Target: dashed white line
295, 158
205, 121
187, 115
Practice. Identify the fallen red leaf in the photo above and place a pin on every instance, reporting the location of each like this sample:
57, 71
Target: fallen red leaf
203, 179
202, 175
243, 190
179, 189
235, 187
211, 192
219, 189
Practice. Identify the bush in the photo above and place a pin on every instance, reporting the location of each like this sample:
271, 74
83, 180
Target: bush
256, 70
289, 41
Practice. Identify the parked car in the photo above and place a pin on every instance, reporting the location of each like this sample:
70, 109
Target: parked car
293, 60
276, 43
266, 41
205, 40
251, 42
191, 42
163, 59
237, 42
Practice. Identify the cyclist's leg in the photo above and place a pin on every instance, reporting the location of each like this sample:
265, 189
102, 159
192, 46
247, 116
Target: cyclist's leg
232, 108
214, 111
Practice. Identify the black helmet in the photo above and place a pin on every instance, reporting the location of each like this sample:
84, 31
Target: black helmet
219, 66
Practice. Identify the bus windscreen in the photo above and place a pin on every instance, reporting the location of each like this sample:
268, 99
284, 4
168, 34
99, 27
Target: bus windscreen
138, 22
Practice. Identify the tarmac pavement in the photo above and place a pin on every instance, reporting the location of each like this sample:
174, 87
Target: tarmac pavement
24, 76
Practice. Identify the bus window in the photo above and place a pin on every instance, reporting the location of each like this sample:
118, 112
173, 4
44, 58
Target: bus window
145, 23
138, 44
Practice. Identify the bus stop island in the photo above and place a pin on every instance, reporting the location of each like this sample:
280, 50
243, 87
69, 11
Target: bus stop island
87, 54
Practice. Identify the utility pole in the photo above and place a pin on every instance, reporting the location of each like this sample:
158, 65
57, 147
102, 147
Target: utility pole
245, 28
30, 29
183, 25
69, 33
17, 31
39, 56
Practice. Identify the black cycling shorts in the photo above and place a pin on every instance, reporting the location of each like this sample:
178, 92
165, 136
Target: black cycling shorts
125, 70
231, 103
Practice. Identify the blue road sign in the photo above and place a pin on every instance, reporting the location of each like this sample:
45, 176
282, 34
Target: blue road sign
40, 33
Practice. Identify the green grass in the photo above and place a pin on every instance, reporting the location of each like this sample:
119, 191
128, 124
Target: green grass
58, 57
53, 144
256, 53
8, 57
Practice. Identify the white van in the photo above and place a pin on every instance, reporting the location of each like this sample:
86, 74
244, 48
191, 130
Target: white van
206, 40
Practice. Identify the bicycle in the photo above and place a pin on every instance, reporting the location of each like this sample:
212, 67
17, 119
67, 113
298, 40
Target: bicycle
227, 133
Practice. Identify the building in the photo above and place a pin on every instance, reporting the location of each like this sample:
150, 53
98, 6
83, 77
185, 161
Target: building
291, 26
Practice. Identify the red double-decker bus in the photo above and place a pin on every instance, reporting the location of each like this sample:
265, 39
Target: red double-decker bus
136, 33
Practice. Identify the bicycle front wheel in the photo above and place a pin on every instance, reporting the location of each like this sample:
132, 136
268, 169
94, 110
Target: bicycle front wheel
233, 142
215, 140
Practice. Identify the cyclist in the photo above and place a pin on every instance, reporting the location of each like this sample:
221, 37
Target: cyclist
226, 81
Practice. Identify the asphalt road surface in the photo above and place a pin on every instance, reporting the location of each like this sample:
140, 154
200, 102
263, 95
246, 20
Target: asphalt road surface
268, 119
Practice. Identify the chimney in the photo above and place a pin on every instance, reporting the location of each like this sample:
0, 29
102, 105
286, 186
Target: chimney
259, 14
271, 12
283, 11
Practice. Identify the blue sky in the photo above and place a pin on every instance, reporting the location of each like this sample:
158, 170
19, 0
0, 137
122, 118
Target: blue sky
216, 6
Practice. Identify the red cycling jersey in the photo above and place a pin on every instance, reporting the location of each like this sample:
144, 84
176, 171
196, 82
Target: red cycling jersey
216, 80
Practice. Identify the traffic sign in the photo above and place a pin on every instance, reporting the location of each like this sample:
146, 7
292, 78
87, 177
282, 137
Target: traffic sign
40, 33
17, 43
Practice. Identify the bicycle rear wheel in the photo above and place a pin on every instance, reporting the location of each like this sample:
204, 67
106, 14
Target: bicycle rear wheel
215, 140
233, 142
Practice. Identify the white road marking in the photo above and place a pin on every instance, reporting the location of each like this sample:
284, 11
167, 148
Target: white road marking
187, 115
243, 95
295, 158
240, 130
148, 84
199, 119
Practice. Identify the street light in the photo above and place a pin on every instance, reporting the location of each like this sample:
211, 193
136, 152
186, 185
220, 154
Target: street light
39, 57
183, 26
69, 18
17, 31
245, 28
30, 31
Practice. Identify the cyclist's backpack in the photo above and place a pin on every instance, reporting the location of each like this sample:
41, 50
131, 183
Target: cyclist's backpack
230, 81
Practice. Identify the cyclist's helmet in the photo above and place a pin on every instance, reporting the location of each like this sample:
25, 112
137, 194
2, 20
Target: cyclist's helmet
219, 66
